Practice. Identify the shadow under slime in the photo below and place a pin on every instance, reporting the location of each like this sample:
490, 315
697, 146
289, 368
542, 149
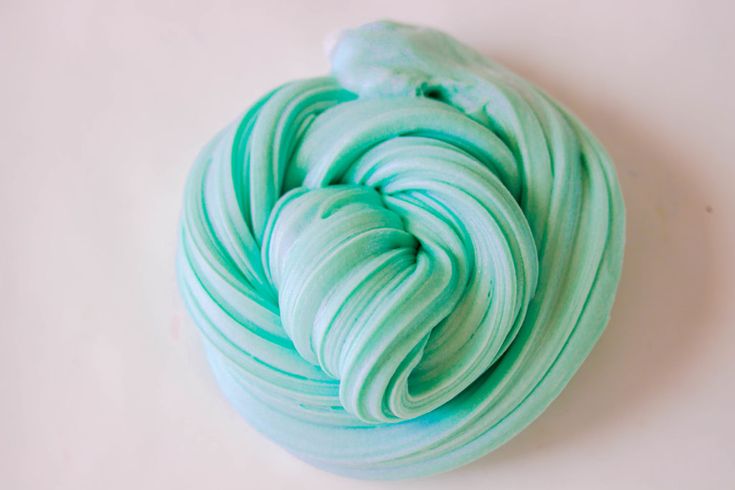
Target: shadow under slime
659, 317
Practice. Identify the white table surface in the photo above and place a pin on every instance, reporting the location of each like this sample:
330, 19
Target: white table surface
103, 106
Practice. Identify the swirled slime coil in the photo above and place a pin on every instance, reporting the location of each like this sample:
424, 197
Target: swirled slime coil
396, 268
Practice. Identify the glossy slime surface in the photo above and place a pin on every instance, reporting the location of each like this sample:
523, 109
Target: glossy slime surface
397, 268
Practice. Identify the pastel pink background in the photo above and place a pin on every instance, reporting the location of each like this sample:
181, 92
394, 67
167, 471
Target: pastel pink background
103, 106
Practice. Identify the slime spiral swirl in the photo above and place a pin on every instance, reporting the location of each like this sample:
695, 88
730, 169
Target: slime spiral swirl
397, 268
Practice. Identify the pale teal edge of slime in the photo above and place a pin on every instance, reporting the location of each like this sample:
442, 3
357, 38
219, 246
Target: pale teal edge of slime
396, 269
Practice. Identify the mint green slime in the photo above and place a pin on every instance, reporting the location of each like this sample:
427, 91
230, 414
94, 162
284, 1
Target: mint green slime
397, 268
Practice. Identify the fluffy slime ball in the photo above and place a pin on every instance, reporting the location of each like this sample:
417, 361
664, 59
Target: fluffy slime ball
397, 267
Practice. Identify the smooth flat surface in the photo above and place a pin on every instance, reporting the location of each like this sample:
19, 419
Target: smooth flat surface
103, 106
